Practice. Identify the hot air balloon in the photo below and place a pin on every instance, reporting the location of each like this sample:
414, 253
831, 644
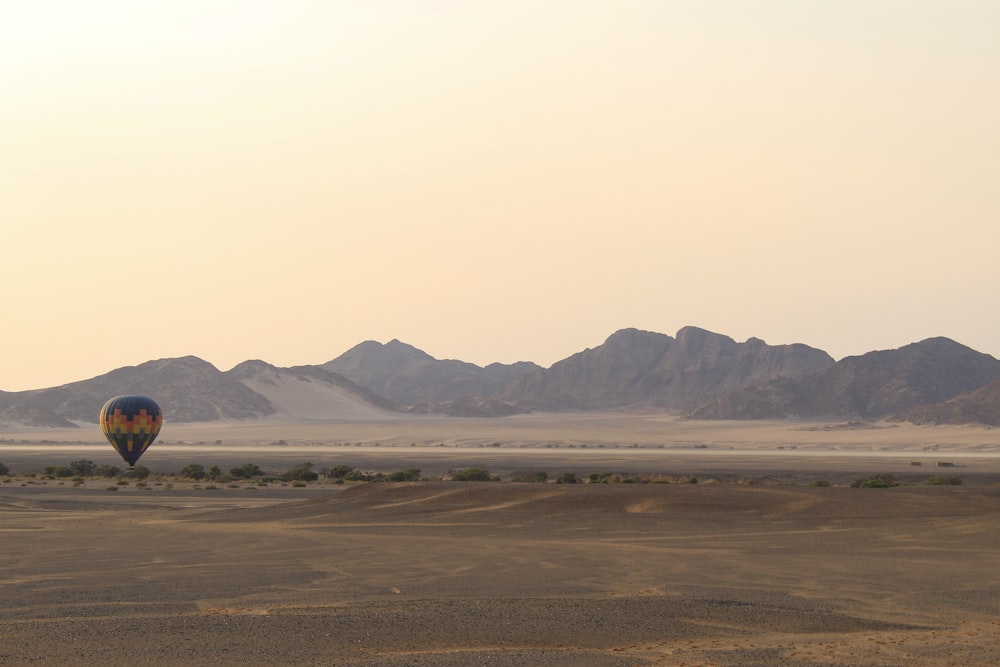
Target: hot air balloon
131, 423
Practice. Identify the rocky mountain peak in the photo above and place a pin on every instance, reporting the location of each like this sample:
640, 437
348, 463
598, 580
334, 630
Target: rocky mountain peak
694, 340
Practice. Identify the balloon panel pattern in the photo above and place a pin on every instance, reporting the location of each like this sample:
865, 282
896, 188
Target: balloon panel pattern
131, 423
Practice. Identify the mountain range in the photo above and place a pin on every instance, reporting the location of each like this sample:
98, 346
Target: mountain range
696, 373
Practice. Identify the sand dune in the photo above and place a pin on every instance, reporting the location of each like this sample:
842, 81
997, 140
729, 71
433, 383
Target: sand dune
299, 398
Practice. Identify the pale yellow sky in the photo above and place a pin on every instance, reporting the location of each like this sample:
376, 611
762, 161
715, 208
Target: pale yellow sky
493, 181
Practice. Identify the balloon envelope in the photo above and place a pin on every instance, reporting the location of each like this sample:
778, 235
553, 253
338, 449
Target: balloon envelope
131, 423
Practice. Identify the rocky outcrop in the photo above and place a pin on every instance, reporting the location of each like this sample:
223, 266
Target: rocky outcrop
981, 406
636, 369
870, 386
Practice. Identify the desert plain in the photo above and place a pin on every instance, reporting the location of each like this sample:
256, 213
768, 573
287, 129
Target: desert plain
771, 558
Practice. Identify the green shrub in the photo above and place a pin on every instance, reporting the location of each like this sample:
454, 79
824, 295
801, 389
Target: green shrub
245, 471
532, 477
566, 478
302, 473
880, 481
108, 471
194, 471
339, 471
83, 467
408, 475
472, 475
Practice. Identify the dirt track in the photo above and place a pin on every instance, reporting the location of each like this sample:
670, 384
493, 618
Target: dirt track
449, 573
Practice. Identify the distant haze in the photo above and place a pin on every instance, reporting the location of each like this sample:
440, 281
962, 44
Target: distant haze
490, 181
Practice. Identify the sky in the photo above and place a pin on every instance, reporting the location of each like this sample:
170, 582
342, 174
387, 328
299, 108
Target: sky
490, 181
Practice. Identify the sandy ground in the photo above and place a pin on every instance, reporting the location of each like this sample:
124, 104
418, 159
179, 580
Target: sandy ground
778, 572
449, 573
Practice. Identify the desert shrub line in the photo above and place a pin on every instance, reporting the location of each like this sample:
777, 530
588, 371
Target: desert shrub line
472, 475
879, 481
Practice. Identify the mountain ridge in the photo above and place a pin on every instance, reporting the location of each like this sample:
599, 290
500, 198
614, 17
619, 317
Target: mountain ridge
190, 389
649, 370
696, 373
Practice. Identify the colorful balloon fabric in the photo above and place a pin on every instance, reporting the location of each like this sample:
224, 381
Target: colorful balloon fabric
131, 423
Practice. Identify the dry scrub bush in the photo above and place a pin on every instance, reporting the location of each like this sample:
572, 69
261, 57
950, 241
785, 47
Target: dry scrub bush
880, 481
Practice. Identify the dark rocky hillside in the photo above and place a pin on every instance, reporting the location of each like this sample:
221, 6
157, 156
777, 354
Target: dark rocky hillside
870, 386
187, 388
981, 406
636, 369
408, 376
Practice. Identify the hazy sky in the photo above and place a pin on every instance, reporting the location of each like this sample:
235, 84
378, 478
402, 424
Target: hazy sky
490, 181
